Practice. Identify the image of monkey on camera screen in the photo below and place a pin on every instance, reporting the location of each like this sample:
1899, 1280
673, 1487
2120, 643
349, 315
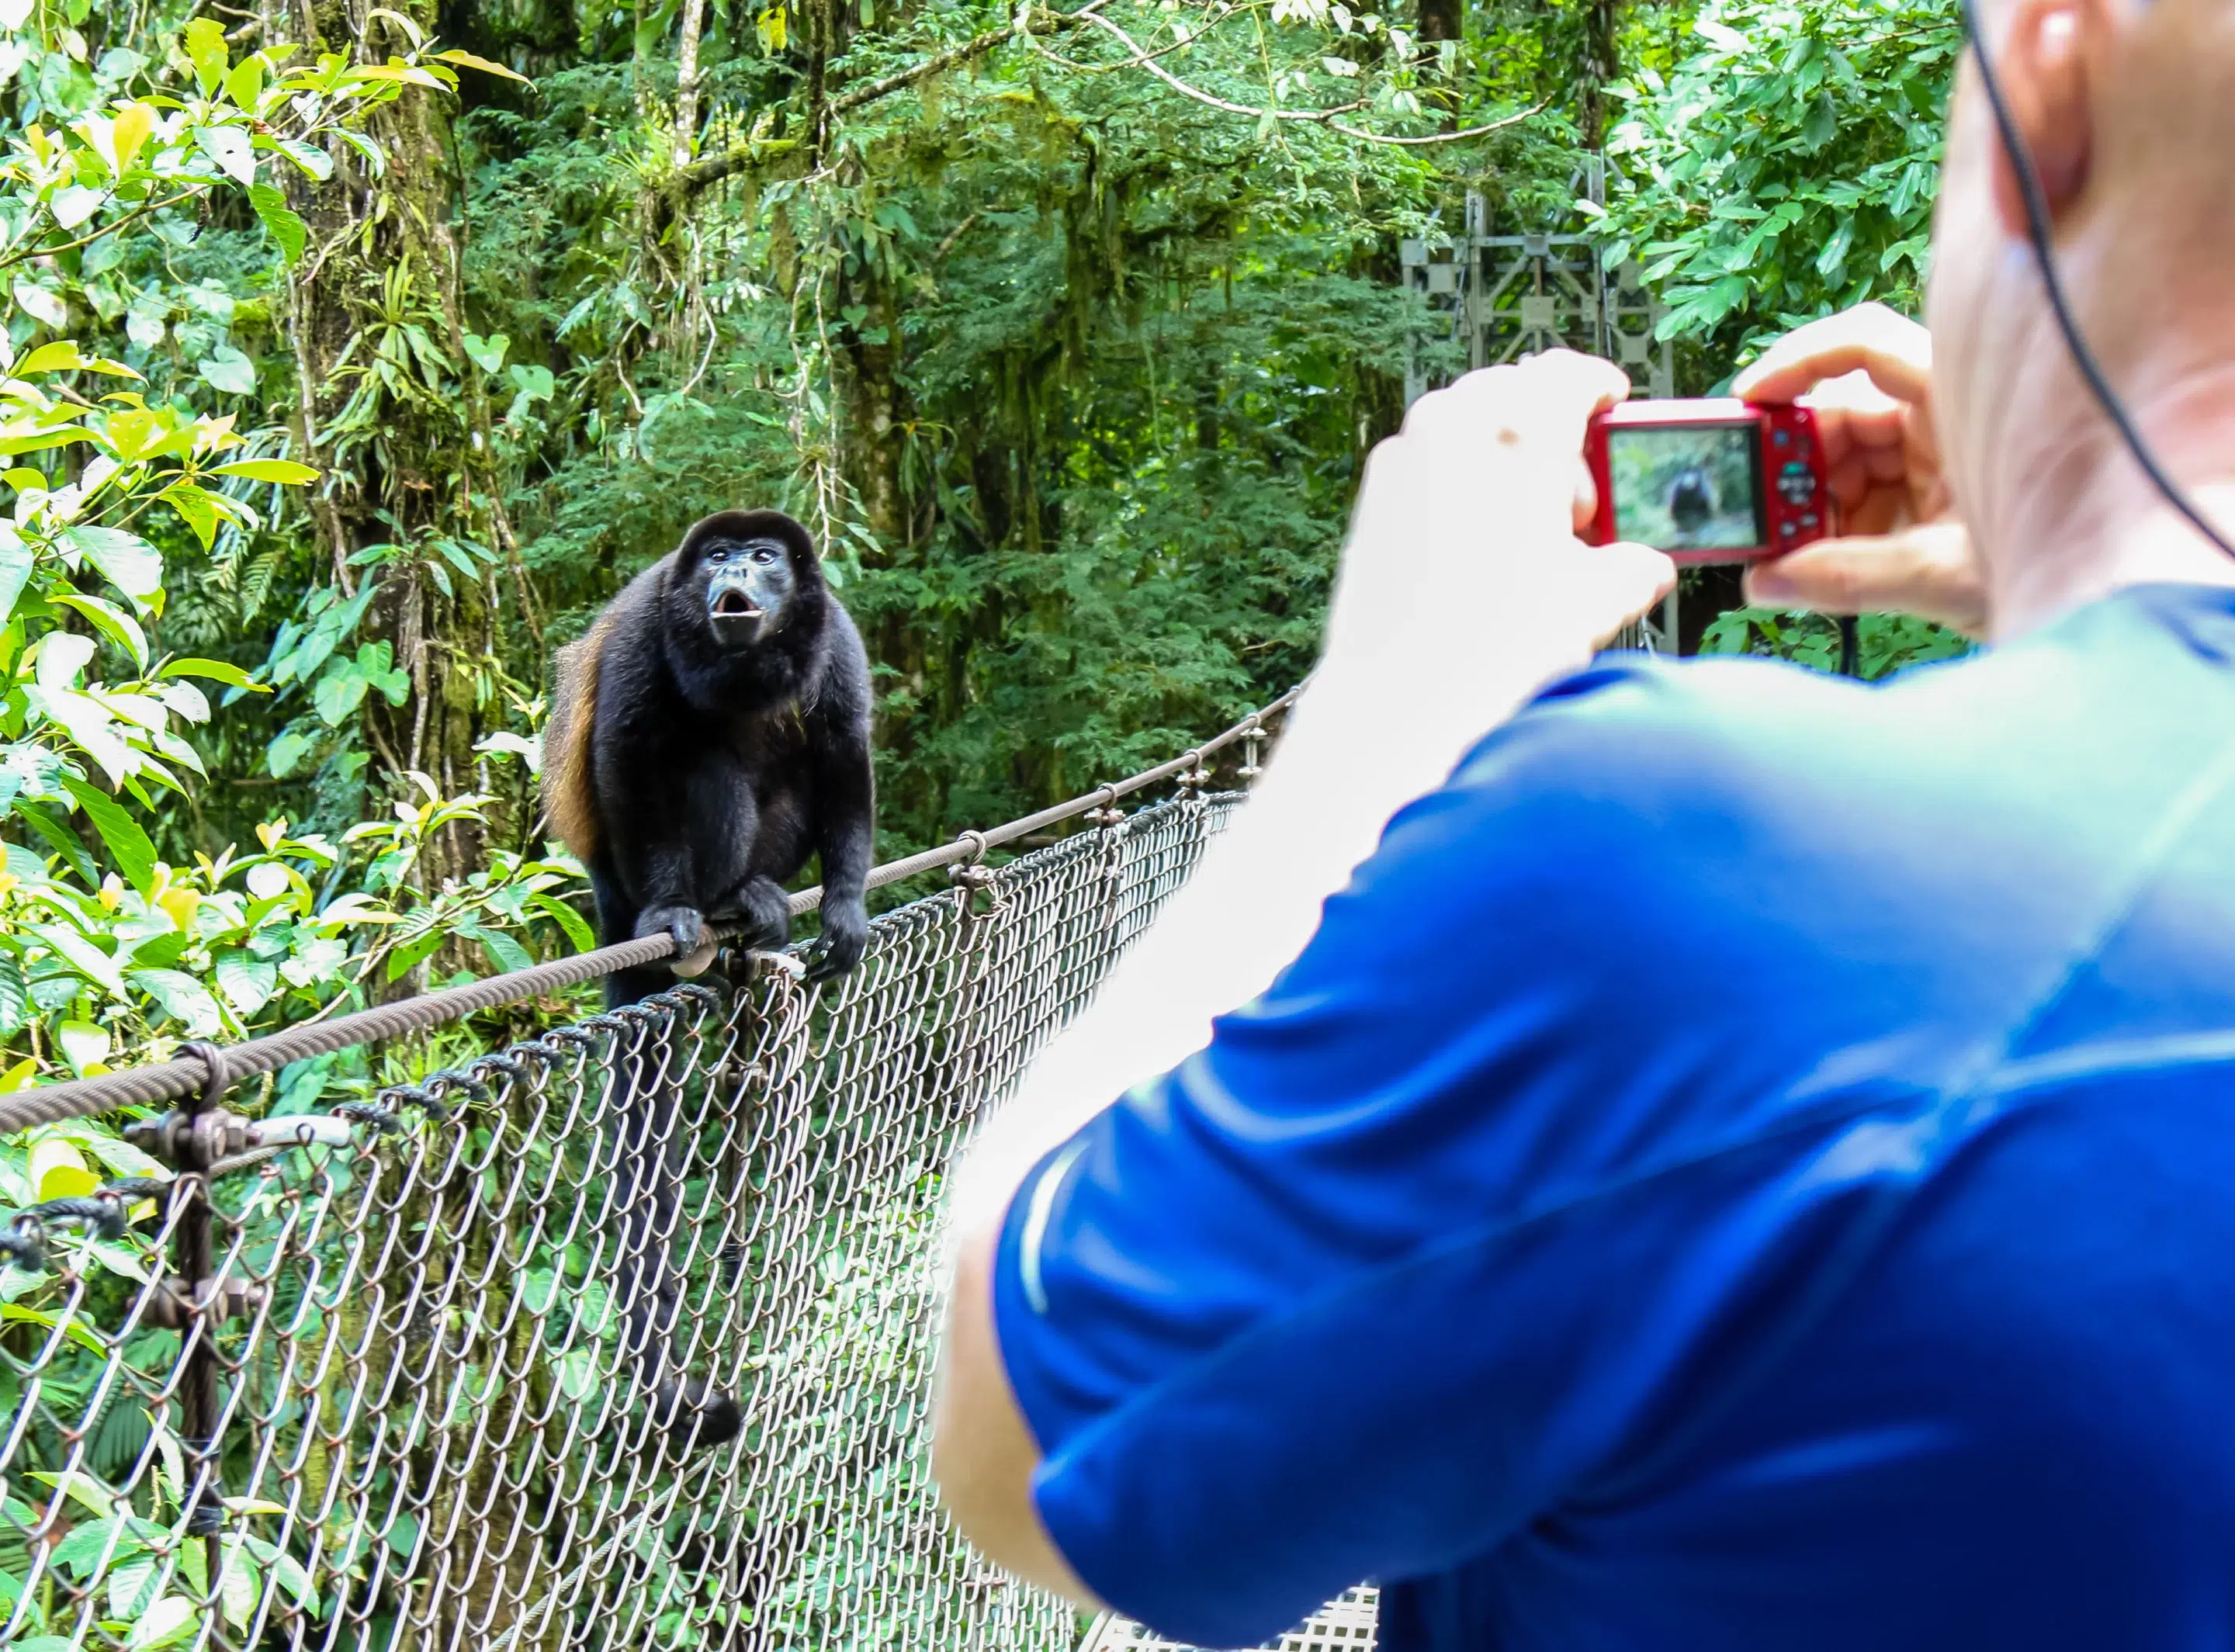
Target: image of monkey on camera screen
709, 735
1685, 489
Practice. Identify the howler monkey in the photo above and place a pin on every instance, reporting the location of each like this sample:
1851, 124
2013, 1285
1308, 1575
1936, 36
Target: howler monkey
1691, 500
709, 733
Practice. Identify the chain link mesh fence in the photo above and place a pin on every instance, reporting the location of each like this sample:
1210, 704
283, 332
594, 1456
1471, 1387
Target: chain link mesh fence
446, 1377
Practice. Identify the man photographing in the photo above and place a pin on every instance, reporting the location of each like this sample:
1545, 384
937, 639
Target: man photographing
1745, 1160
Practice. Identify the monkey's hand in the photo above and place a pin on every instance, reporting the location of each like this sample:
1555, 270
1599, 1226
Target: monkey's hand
694, 943
763, 909
839, 947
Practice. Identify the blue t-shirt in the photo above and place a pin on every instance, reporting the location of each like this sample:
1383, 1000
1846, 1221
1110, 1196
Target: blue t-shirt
1749, 1164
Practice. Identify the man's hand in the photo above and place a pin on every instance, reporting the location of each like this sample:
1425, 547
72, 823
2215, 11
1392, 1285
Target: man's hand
1868, 374
1463, 537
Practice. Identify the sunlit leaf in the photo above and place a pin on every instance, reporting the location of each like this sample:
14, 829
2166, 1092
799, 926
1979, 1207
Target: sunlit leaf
134, 854
467, 60
287, 231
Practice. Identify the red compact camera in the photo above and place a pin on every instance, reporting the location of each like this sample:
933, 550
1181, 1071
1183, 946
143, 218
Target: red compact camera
1712, 480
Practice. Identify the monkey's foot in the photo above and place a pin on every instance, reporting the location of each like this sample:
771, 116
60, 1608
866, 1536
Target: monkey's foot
695, 1413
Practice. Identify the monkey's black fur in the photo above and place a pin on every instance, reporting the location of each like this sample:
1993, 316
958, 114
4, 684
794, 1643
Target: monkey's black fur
1691, 500
712, 732
726, 750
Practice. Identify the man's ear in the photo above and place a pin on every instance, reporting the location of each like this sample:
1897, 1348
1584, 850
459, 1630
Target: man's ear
2053, 50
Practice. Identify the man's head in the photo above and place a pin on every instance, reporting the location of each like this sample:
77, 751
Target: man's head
2127, 108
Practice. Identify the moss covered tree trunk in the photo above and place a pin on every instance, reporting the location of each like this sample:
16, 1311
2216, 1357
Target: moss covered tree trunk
391, 408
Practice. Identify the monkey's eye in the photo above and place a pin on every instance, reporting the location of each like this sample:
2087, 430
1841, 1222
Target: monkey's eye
763, 555
717, 556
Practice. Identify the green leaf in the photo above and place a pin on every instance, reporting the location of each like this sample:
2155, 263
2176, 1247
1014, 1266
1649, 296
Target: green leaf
245, 84
217, 671
488, 354
467, 60
338, 693
205, 50
16, 560
284, 753
247, 983
182, 998
40, 304
15, 998
409, 954
134, 854
287, 231
504, 952
229, 147
166, 1621
83, 1045
61, 839
197, 506
312, 160
128, 562
285, 471
226, 368
566, 918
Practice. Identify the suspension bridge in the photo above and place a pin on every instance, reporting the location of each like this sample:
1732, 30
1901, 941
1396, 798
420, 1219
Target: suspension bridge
354, 1379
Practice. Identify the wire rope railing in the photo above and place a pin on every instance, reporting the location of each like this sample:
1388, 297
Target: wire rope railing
374, 1377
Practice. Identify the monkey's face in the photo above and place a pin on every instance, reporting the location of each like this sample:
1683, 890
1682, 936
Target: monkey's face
749, 587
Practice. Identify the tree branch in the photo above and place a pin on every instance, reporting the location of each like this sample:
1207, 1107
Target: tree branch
714, 168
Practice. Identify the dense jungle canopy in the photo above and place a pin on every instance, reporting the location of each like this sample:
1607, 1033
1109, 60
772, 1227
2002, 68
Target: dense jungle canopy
359, 353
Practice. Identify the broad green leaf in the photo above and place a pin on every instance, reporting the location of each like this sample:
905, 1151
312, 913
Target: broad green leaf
247, 983
217, 671
286, 471
245, 84
76, 1485
228, 369
16, 561
73, 204
338, 693
467, 60
504, 952
128, 562
284, 753
62, 655
110, 619
183, 998
129, 131
207, 50
84, 1046
312, 160
229, 147
287, 231
198, 506
14, 997
168, 1620
57, 1170
57, 355
40, 304
128, 844
488, 354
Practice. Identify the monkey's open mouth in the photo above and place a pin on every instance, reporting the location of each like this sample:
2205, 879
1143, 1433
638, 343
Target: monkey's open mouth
733, 604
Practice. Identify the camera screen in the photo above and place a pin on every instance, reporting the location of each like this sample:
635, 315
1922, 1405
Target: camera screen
1687, 487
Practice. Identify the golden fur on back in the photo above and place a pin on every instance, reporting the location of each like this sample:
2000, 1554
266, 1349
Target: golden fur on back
570, 787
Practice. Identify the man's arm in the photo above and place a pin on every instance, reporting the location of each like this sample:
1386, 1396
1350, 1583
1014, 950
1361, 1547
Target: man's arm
1462, 590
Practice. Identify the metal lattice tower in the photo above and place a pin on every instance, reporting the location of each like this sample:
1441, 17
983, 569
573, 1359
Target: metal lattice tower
1507, 296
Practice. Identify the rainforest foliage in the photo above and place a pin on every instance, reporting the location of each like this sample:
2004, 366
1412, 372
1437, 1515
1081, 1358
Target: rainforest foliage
356, 354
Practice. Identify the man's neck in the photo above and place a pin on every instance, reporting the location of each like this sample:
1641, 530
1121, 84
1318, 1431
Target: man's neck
2092, 523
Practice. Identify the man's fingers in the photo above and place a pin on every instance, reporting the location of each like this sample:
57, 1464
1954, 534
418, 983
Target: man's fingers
1619, 583
1894, 351
1546, 397
1929, 571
